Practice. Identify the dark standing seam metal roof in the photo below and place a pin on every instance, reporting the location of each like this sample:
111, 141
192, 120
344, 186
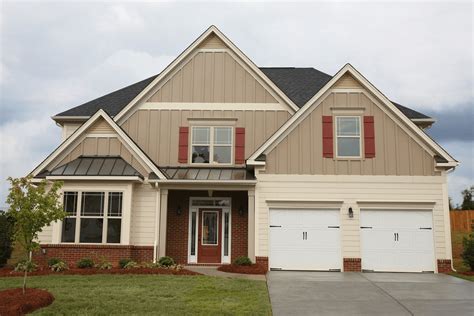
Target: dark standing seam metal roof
299, 84
95, 166
203, 173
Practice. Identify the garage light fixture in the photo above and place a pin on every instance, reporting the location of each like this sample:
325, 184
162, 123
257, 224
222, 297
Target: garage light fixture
351, 212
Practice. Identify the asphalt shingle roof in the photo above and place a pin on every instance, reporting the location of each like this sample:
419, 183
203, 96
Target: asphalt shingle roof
299, 84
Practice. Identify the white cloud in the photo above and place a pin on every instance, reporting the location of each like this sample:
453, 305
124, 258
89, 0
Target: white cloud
119, 18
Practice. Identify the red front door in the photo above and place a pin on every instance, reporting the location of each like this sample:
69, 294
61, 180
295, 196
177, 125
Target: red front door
209, 236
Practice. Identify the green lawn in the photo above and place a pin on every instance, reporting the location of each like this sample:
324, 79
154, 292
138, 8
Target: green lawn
456, 241
149, 294
462, 276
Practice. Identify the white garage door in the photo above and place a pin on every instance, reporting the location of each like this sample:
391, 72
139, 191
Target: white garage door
397, 240
305, 240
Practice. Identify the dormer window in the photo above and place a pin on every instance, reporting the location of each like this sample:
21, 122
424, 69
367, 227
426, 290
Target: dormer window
211, 145
348, 144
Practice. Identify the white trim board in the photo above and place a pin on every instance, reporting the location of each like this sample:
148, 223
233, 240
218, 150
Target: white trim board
185, 54
286, 128
79, 133
216, 106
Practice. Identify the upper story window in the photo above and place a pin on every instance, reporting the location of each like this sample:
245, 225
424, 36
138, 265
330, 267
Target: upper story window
99, 219
348, 140
211, 145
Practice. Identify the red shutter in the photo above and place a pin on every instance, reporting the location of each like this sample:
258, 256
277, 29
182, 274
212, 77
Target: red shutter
328, 143
239, 145
183, 144
369, 137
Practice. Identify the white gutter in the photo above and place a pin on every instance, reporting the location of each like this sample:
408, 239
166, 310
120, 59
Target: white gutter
222, 182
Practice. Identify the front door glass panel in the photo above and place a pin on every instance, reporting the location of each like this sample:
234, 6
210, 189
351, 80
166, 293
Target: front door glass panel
209, 228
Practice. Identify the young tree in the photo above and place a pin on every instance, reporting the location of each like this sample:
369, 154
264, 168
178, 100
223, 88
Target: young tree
32, 206
467, 202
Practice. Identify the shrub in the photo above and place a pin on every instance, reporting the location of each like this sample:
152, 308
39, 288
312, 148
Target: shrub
59, 266
6, 237
53, 261
85, 263
166, 261
243, 261
131, 265
103, 264
468, 252
151, 265
123, 262
26, 265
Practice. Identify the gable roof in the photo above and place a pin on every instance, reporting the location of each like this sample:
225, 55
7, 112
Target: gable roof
255, 158
298, 84
132, 146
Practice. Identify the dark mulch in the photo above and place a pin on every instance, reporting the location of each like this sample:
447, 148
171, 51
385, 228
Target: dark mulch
467, 273
252, 269
75, 271
13, 302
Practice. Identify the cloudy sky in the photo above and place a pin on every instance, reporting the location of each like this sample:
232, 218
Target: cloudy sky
54, 56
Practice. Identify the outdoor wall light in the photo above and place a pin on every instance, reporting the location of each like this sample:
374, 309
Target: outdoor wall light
241, 210
351, 212
43, 251
179, 210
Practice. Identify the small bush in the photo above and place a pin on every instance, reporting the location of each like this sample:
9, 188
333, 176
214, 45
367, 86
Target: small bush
53, 261
166, 261
103, 264
468, 252
59, 266
243, 261
123, 262
85, 263
26, 265
131, 265
151, 265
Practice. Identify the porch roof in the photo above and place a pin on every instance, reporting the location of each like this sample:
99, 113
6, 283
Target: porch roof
205, 174
108, 166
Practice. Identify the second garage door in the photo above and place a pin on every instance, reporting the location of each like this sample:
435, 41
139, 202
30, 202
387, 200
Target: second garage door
397, 240
305, 239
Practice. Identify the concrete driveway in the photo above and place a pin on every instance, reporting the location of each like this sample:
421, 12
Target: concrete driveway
333, 293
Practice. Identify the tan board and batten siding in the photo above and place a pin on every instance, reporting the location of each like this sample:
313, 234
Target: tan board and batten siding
397, 153
213, 77
157, 131
102, 145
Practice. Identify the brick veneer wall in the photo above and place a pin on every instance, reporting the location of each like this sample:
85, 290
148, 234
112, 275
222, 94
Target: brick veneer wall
444, 266
73, 253
263, 261
352, 265
177, 225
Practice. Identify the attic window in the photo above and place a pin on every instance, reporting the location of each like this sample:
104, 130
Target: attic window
348, 143
211, 145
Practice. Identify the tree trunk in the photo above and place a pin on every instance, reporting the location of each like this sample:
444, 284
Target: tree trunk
26, 273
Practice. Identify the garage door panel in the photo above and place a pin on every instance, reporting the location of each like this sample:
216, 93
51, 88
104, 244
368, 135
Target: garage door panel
303, 239
397, 240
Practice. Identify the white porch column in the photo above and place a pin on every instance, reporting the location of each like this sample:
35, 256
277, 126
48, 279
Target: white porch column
163, 222
251, 225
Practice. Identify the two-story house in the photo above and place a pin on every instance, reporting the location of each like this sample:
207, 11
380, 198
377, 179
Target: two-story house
216, 158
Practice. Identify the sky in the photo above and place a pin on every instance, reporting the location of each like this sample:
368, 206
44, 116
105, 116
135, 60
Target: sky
56, 55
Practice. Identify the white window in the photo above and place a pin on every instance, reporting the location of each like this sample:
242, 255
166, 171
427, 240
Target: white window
99, 220
211, 145
348, 142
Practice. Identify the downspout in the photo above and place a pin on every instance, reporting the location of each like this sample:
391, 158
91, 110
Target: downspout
452, 261
157, 211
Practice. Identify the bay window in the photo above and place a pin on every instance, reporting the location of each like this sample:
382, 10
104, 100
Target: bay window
92, 224
211, 145
348, 139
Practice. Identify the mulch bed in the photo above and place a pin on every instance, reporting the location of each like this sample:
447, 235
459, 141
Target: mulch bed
13, 302
467, 273
253, 269
75, 271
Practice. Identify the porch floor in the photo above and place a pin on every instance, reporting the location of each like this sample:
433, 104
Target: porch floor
212, 271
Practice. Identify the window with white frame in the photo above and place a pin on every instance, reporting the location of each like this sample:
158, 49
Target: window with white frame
211, 145
348, 140
99, 219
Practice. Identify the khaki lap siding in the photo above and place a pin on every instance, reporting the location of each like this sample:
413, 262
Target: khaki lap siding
349, 190
157, 131
46, 236
142, 230
397, 153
